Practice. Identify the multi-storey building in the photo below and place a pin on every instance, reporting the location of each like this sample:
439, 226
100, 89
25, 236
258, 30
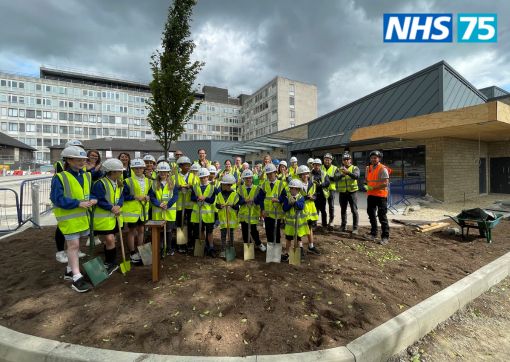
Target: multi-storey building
281, 103
64, 104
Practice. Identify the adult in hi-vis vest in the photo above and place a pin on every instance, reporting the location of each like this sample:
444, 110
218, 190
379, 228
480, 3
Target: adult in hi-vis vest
346, 180
377, 184
330, 170
70, 195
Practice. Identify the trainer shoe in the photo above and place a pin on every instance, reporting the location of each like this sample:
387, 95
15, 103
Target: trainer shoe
222, 254
302, 254
342, 229
61, 257
81, 255
170, 252
110, 268
68, 275
136, 258
81, 286
314, 250
355, 232
285, 258
370, 237
262, 247
384, 241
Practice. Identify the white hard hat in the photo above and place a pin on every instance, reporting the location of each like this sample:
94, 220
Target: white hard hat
137, 162
203, 172
161, 158
295, 183
182, 160
310, 160
284, 163
270, 168
228, 179
149, 158
303, 169
317, 161
247, 173
163, 166
74, 152
293, 159
195, 167
212, 169
74, 143
112, 164
328, 155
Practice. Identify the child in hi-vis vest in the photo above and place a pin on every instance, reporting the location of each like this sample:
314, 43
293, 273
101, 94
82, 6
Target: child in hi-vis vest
107, 214
163, 195
136, 207
203, 197
227, 198
293, 206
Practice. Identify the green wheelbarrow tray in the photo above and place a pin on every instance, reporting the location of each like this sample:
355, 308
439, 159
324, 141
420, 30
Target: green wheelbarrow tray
484, 226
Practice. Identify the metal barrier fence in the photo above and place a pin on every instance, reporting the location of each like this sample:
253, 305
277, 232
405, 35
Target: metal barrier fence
32, 201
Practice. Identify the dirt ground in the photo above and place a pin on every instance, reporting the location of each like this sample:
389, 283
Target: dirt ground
210, 307
478, 332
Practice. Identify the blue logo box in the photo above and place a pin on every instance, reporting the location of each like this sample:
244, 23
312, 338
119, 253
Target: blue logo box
477, 28
418, 28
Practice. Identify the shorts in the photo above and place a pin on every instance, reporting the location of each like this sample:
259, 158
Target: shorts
115, 230
77, 235
135, 224
291, 237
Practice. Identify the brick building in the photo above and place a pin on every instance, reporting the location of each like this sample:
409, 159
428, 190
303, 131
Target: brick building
438, 132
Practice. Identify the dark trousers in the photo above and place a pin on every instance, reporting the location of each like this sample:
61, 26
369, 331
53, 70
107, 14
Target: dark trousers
269, 226
331, 206
253, 231
377, 207
187, 221
171, 243
350, 198
208, 227
320, 205
59, 239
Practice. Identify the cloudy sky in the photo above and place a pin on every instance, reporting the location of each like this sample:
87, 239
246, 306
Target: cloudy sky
334, 44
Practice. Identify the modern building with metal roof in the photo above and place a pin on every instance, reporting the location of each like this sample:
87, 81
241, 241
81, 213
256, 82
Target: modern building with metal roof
437, 130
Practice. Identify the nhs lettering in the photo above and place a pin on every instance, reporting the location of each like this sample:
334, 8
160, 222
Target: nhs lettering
418, 28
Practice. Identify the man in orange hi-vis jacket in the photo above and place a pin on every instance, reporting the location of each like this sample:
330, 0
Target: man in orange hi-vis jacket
377, 183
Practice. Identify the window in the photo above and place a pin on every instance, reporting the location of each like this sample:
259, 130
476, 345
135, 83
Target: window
38, 87
13, 127
292, 114
62, 116
4, 126
46, 128
21, 85
22, 113
291, 101
22, 127
30, 113
13, 112
30, 127
38, 114
63, 129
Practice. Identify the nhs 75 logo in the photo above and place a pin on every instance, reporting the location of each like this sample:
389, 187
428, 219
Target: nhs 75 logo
438, 28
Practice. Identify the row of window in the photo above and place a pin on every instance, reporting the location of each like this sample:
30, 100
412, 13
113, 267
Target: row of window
75, 117
217, 109
196, 137
72, 92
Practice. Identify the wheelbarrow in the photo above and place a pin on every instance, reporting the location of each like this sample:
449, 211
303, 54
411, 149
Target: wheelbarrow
484, 226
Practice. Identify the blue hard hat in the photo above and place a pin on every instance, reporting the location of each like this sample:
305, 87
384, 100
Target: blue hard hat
276, 162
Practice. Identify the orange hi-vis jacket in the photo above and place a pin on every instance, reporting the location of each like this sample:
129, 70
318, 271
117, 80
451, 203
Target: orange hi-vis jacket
374, 177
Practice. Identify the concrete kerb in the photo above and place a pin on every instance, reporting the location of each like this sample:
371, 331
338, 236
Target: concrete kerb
380, 343
385, 341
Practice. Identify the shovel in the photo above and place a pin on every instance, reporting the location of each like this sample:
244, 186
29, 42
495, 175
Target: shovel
230, 251
249, 247
294, 251
182, 231
125, 265
145, 249
94, 268
199, 242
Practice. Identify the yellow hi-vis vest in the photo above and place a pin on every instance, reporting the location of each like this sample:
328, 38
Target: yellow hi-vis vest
163, 194
75, 220
302, 222
269, 206
207, 212
104, 220
233, 199
310, 210
330, 172
293, 173
324, 191
244, 210
347, 183
182, 181
134, 210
